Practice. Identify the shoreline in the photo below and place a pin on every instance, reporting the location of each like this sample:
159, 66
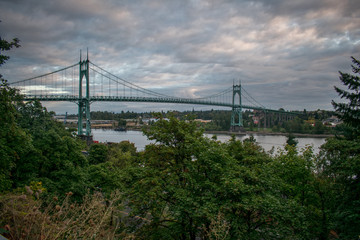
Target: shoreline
304, 135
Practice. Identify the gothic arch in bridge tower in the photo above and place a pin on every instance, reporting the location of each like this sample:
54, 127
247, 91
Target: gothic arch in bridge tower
236, 115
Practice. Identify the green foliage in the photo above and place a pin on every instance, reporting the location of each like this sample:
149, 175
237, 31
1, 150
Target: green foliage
56, 159
122, 154
319, 127
14, 141
349, 112
220, 119
125, 146
104, 177
182, 182
258, 198
61, 165
106, 174
114, 116
339, 166
6, 46
184, 185
251, 139
122, 123
33, 146
97, 153
295, 125
291, 141
299, 185
174, 183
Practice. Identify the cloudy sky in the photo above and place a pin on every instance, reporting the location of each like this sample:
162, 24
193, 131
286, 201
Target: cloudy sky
287, 53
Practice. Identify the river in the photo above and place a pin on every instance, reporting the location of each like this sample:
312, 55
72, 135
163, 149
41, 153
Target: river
266, 141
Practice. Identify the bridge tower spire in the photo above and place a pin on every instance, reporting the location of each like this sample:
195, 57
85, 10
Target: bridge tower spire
236, 115
84, 102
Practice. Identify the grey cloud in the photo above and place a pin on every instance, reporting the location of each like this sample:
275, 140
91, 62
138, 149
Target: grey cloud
286, 53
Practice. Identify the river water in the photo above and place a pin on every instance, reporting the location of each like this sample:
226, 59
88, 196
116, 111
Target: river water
266, 141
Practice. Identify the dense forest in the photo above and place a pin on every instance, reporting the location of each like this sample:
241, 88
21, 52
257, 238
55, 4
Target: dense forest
183, 186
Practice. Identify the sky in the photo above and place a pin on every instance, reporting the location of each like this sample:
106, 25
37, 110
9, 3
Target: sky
286, 53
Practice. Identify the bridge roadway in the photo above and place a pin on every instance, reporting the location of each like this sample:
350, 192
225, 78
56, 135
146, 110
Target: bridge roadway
70, 98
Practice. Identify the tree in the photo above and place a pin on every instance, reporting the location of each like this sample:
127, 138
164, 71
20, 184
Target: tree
98, 153
338, 164
33, 146
258, 203
295, 125
319, 127
107, 164
291, 140
56, 157
184, 181
298, 186
14, 142
162, 184
350, 112
6, 46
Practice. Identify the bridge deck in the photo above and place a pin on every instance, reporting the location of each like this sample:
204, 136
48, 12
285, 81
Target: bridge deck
70, 98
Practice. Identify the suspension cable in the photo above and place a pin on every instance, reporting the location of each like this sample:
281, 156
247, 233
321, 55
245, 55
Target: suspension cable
44, 75
259, 104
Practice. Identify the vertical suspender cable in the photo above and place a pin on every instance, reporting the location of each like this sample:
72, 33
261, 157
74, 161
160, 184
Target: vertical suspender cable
36, 85
65, 88
64, 81
52, 80
102, 79
91, 83
92, 79
73, 82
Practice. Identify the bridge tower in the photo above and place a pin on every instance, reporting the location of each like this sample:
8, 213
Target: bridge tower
84, 102
236, 115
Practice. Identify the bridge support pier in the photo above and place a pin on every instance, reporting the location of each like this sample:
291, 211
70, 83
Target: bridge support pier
84, 108
236, 115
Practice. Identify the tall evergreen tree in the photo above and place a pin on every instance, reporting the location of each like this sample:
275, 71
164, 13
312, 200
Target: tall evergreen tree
338, 164
350, 112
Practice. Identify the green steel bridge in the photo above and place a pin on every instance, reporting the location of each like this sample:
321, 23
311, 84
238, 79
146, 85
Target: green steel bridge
85, 82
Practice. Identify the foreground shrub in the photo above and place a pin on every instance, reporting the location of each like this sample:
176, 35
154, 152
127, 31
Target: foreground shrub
24, 217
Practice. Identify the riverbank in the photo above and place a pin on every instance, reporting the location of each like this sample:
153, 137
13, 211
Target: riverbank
303, 135
263, 133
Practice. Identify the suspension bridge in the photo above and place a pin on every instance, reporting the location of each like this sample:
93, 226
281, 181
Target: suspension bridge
85, 82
